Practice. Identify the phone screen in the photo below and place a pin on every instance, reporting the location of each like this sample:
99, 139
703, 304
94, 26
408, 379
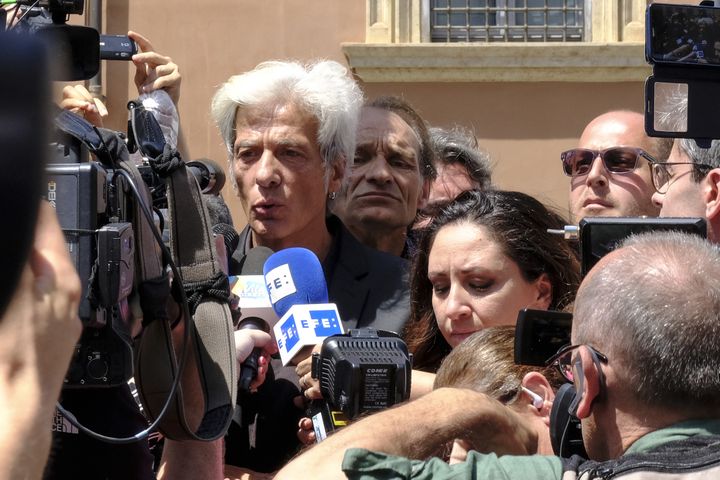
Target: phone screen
683, 34
539, 334
601, 235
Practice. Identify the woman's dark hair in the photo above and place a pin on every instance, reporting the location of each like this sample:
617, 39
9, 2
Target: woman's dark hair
519, 224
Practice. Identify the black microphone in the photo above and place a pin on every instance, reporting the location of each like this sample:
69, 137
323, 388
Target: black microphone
209, 175
252, 265
229, 235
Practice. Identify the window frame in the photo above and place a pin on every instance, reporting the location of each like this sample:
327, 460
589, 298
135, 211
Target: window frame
397, 48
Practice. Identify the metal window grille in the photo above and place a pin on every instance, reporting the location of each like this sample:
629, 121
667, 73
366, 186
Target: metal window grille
507, 20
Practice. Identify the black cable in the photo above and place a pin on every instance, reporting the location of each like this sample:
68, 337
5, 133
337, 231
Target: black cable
186, 334
12, 26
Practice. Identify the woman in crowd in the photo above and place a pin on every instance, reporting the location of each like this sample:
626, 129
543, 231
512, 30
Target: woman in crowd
486, 256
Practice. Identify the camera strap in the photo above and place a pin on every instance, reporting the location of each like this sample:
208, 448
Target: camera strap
204, 407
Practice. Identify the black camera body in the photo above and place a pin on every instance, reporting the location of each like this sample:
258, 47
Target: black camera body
92, 213
364, 370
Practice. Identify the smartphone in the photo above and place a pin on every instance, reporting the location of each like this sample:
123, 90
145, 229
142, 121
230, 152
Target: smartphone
117, 47
684, 34
601, 235
539, 334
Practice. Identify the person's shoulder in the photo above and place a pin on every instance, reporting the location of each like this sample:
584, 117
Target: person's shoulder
385, 261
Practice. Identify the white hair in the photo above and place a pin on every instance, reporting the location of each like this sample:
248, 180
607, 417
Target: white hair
323, 89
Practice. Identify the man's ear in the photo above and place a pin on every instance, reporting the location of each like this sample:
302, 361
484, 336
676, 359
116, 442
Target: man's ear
711, 193
587, 382
336, 175
539, 385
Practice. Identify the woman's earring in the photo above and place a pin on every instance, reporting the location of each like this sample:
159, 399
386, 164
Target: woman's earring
332, 195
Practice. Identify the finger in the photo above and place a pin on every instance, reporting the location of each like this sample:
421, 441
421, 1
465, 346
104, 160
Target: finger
259, 338
271, 348
143, 43
313, 393
246, 340
84, 92
93, 116
153, 59
75, 105
304, 367
458, 454
305, 424
168, 81
72, 91
102, 110
306, 437
140, 75
168, 69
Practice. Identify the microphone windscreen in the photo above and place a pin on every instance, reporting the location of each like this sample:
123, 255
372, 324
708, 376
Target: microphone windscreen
254, 261
294, 276
230, 236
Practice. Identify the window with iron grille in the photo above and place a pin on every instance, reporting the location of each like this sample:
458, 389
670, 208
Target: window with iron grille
507, 20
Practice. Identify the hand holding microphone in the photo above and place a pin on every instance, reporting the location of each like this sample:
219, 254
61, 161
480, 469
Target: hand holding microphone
249, 342
256, 314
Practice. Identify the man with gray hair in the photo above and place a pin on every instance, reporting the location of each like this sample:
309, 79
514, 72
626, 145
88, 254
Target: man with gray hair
688, 184
460, 165
290, 131
644, 360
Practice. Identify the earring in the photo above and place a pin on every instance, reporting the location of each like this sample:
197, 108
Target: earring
332, 195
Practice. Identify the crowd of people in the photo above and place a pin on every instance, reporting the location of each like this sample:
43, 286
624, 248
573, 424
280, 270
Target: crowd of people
415, 238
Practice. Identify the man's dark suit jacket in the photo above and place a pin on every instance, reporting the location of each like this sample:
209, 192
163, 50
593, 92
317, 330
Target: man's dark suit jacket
370, 289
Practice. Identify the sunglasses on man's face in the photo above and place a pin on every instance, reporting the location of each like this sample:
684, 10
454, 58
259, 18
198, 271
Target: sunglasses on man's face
579, 161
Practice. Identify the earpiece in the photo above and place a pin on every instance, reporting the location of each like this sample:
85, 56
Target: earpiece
537, 400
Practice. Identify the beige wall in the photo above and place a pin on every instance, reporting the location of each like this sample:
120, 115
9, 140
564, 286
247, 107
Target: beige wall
523, 125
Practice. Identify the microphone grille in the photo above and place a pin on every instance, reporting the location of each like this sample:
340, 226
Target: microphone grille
229, 234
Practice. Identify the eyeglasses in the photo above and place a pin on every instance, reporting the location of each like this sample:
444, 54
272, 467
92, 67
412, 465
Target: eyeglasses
661, 173
563, 360
579, 161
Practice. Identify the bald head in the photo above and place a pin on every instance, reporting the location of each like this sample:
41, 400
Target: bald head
601, 192
653, 307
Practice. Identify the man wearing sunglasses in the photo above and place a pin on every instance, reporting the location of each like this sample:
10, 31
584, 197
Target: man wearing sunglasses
610, 170
644, 359
688, 184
